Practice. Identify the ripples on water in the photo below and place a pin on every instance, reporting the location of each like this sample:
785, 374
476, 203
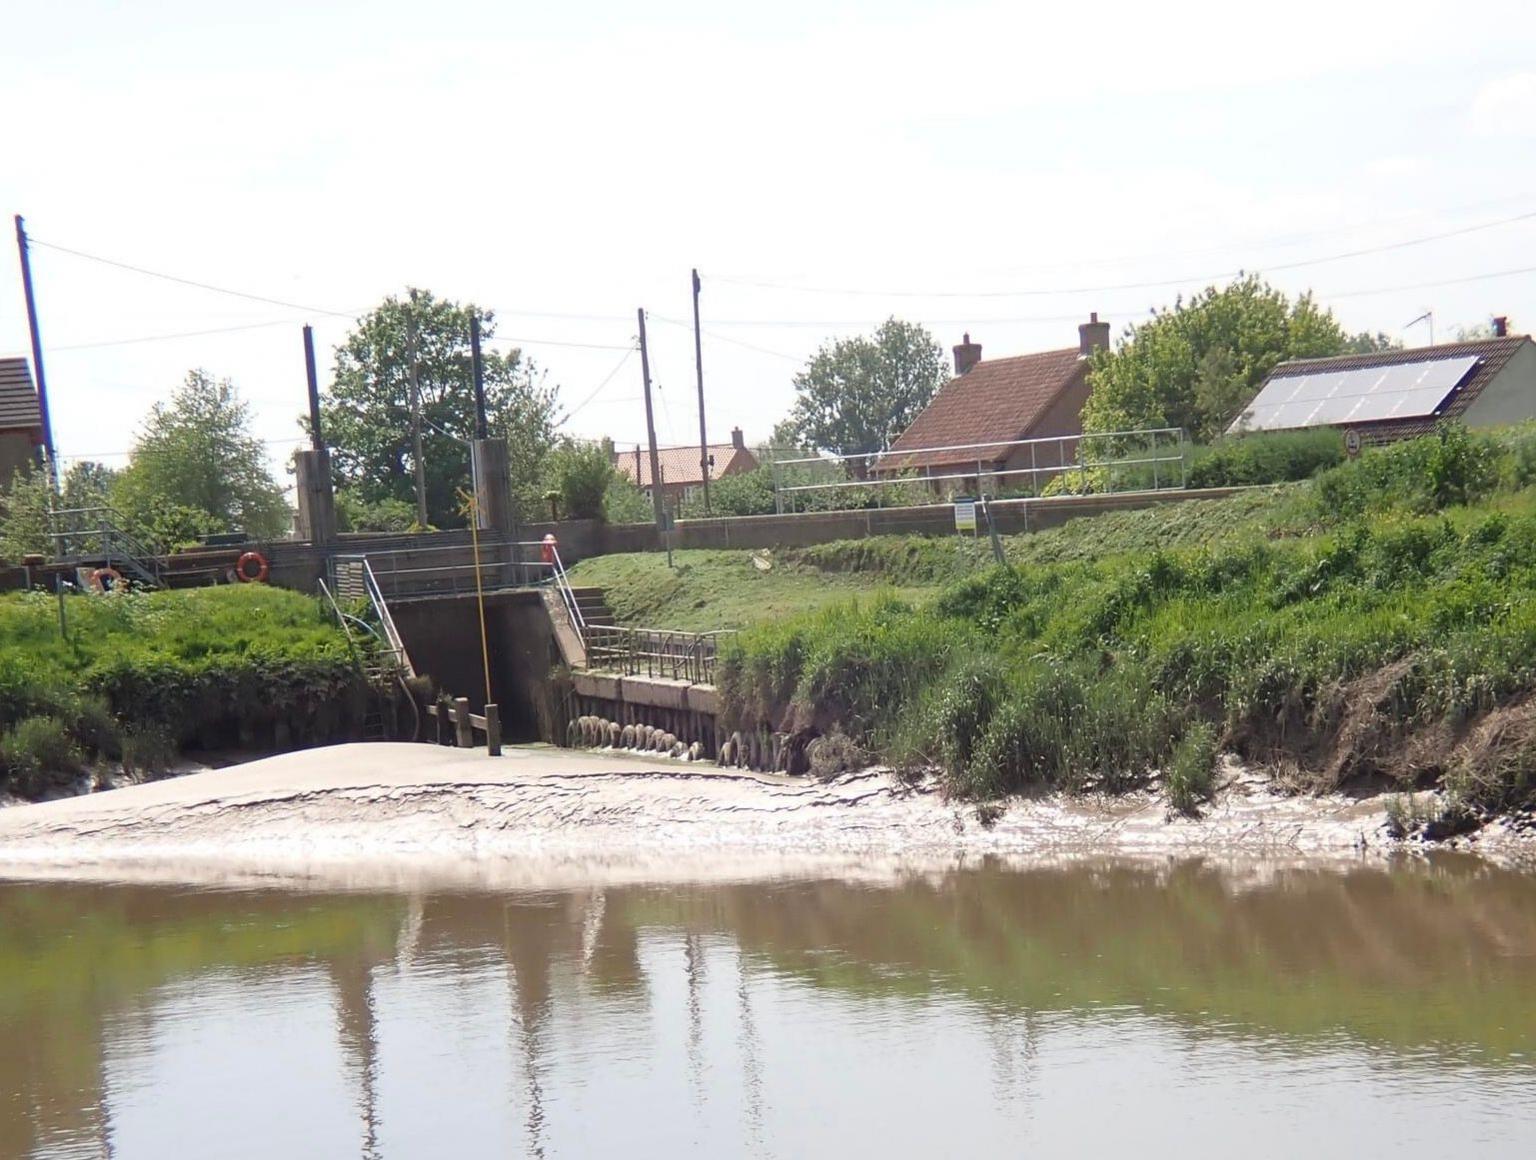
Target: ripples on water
1104, 1009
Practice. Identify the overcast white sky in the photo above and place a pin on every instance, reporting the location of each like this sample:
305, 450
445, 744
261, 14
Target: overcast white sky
971, 166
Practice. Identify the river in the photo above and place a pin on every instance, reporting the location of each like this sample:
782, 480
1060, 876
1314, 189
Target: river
1091, 1007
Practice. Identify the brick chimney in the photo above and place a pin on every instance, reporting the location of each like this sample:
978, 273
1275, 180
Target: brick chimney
967, 355
738, 440
1500, 326
1092, 335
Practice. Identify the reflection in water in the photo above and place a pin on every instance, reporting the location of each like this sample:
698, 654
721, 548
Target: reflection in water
1065, 1009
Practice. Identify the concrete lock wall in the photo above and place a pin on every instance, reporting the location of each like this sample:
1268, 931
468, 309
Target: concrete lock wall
442, 637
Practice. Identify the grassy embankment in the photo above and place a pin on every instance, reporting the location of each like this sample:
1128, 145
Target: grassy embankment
142, 676
1378, 622
707, 590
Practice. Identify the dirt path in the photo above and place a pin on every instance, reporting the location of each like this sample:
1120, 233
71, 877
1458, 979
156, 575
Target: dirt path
537, 813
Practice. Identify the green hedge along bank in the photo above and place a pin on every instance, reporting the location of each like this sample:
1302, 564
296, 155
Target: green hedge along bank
141, 677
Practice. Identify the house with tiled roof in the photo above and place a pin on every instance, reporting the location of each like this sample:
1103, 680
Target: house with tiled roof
682, 468
1397, 394
961, 438
21, 419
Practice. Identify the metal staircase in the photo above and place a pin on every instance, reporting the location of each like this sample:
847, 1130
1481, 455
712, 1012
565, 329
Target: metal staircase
385, 663
93, 537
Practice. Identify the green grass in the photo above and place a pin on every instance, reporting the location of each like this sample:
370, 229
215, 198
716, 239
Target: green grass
1367, 623
707, 590
141, 675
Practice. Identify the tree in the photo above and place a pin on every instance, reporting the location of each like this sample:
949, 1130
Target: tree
857, 395
196, 467
366, 413
1199, 364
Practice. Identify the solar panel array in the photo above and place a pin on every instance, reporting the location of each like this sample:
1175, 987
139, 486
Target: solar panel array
1360, 395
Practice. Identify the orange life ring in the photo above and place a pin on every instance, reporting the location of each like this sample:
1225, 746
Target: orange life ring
262, 569
97, 581
548, 549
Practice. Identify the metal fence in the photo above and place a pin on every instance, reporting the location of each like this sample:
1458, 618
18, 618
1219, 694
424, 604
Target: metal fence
1109, 462
451, 569
651, 652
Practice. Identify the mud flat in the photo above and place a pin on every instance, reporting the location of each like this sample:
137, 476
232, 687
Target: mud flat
396, 812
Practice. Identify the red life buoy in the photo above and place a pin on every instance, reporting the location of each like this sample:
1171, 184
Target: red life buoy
243, 571
97, 582
548, 550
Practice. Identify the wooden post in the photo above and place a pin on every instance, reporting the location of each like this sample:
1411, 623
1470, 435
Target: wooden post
464, 732
493, 730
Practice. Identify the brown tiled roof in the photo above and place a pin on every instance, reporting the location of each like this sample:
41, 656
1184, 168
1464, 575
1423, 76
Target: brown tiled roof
1494, 354
680, 465
18, 397
999, 398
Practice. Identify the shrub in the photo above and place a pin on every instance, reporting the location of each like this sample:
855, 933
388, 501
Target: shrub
1191, 770
1274, 457
39, 754
353, 514
582, 473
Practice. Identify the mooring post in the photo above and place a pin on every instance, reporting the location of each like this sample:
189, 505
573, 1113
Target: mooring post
493, 730
464, 732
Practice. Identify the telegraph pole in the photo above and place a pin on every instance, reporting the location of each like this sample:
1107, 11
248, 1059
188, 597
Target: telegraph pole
477, 365
316, 439
421, 467
698, 362
37, 352
650, 427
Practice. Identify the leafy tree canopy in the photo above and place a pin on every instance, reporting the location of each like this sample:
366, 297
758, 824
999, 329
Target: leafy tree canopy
197, 464
1199, 364
366, 413
858, 394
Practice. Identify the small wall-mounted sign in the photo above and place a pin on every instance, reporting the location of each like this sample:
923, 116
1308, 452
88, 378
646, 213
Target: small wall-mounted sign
965, 514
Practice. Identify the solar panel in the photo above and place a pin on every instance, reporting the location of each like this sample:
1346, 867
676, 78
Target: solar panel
1363, 395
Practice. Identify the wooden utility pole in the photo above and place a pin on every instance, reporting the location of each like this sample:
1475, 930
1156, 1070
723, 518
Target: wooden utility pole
312, 381
650, 427
421, 464
477, 366
37, 352
698, 362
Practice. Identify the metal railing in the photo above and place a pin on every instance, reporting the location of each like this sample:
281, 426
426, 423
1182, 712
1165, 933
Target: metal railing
387, 634
562, 582
652, 652
1152, 459
96, 533
450, 570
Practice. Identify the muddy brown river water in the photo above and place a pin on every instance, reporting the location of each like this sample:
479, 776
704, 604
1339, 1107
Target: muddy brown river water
1096, 1007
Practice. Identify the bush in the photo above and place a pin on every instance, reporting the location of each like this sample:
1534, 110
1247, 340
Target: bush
1277, 457
582, 473
354, 514
1452, 467
38, 755
1191, 770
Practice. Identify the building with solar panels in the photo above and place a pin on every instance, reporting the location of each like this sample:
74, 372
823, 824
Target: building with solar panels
1397, 394
21, 419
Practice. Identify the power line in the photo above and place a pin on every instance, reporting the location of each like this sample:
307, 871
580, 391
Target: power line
1148, 285
168, 337
1282, 241
561, 342
191, 282
80, 455
608, 378
1433, 285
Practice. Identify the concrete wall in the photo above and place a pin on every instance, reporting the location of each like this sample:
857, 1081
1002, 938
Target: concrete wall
442, 636
1511, 396
298, 565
